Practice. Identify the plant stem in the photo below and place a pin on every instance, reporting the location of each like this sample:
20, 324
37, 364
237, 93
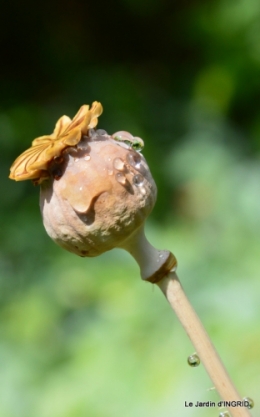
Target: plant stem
159, 267
173, 291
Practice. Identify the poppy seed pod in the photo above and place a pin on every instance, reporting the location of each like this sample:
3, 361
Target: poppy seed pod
96, 190
99, 193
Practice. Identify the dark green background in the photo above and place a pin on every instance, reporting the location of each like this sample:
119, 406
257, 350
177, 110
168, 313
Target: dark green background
85, 337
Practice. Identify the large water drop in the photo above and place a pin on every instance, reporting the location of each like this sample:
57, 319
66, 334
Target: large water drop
134, 159
123, 135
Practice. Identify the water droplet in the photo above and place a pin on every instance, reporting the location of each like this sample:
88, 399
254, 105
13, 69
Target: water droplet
83, 144
249, 403
121, 178
101, 132
138, 180
119, 164
143, 190
122, 144
138, 144
122, 135
91, 133
87, 157
97, 135
134, 159
224, 414
194, 360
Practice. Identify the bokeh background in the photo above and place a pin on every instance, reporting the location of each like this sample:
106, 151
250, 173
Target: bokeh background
85, 337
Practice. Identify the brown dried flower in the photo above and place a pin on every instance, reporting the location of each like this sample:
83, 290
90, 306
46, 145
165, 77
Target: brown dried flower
33, 163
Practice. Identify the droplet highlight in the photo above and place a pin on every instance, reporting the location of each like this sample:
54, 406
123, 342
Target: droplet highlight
121, 178
87, 157
119, 164
193, 360
224, 414
249, 403
138, 180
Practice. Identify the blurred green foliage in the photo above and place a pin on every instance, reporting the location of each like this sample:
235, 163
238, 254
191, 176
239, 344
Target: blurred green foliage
85, 337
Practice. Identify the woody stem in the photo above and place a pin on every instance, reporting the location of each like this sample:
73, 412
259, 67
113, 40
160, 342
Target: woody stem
173, 291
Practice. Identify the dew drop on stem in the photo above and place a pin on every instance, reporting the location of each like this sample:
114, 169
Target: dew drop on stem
224, 414
250, 403
193, 360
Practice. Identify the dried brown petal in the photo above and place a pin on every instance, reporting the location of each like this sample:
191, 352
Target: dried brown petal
33, 163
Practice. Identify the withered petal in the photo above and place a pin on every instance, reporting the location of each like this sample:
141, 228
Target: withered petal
21, 168
81, 119
82, 112
96, 110
61, 125
42, 139
47, 154
72, 138
33, 163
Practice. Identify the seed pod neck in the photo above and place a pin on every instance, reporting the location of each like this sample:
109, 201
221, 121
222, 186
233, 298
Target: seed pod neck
154, 264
